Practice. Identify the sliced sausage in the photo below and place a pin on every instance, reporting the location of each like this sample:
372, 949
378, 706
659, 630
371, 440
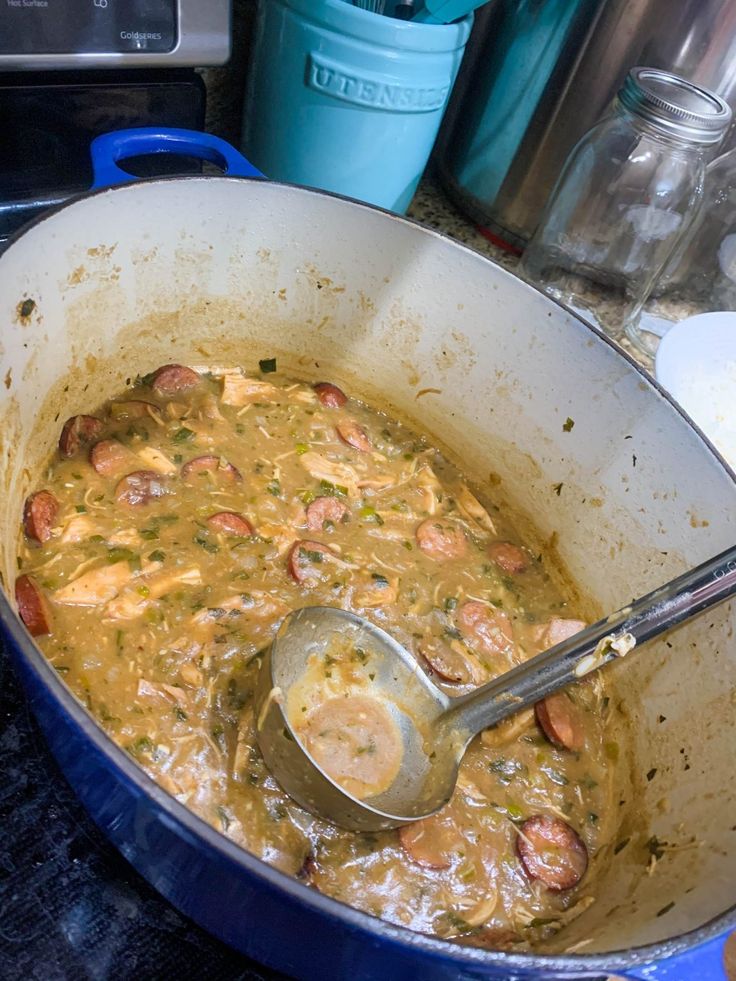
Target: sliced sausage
441, 540
330, 395
486, 629
561, 721
32, 606
78, 431
326, 509
211, 464
433, 841
356, 741
140, 487
110, 458
230, 523
173, 378
508, 557
557, 630
39, 515
305, 561
551, 851
132, 409
446, 662
354, 435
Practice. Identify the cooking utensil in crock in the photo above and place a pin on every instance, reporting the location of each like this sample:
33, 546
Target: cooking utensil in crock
445, 11
540, 405
435, 729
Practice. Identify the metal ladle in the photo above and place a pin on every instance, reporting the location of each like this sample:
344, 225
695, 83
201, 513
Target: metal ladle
435, 728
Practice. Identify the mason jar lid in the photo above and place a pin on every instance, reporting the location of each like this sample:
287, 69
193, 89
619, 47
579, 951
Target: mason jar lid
675, 106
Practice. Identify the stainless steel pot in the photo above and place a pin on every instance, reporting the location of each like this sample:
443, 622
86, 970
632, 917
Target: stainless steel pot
213, 270
539, 73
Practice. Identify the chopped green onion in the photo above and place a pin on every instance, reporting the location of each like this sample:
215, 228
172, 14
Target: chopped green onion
204, 543
333, 490
118, 554
183, 435
370, 514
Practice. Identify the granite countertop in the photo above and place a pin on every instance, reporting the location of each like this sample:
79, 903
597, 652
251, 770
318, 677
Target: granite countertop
432, 207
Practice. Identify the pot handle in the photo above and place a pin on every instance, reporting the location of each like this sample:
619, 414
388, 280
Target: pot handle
704, 962
108, 149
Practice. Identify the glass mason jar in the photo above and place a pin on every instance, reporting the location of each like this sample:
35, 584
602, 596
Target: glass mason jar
626, 195
700, 276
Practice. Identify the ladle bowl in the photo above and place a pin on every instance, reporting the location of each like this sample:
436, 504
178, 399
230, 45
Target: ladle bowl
434, 729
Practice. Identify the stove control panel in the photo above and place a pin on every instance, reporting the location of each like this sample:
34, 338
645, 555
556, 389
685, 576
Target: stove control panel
43, 34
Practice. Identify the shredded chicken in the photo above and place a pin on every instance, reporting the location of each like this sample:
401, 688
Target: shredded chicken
378, 482
150, 587
508, 730
238, 390
79, 528
377, 593
125, 538
211, 410
339, 474
257, 605
97, 586
471, 507
155, 460
191, 675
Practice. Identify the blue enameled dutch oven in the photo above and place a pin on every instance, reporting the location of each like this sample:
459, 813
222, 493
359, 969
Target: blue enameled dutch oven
232, 268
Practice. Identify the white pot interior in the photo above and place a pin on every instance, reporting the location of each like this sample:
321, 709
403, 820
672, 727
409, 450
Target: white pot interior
207, 271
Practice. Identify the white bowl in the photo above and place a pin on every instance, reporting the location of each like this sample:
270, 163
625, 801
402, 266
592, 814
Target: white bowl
696, 363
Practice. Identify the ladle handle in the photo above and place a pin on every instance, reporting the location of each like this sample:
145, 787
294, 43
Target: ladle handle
710, 583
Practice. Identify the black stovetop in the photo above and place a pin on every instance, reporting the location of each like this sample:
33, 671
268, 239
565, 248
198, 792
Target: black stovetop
71, 907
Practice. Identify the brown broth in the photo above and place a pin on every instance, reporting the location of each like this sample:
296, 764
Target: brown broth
158, 619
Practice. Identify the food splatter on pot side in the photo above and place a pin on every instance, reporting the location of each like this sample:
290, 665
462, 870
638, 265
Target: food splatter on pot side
179, 524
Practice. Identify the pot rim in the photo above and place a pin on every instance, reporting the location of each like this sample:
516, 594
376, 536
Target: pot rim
462, 956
